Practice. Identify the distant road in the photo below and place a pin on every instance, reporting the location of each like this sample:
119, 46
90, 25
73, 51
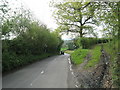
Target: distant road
52, 72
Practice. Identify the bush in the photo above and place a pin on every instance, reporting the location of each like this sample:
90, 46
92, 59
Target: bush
11, 60
87, 43
34, 44
71, 46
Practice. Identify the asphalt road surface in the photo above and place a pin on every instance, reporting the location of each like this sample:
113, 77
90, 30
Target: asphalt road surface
52, 72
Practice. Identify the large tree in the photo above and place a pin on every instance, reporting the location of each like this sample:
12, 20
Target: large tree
76, 17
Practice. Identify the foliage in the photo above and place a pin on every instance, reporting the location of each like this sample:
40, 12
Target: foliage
79, 55
87, 43
111, 20
11, 60
71, 46
76, 17
112, 49
38, 40
26, 40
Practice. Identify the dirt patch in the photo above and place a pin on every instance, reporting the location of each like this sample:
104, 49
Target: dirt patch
97, 77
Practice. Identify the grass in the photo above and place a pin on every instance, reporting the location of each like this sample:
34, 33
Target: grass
69, 51
95, 52
63, 49
79, 55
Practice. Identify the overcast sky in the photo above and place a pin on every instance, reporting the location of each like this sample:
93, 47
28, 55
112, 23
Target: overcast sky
42, 11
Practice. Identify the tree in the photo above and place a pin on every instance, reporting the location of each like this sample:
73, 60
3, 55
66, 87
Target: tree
110, 18
13, 21
76, 17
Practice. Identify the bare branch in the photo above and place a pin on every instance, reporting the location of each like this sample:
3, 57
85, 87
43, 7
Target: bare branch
89, 23
80, 7
73, 30
84, 6
84, 33
71, 24
87, 20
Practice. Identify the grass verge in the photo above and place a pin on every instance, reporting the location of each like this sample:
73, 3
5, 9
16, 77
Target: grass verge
69, 51
79, 55
63, 49
95, 52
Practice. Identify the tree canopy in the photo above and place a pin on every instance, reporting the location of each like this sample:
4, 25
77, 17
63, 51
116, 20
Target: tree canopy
78, 17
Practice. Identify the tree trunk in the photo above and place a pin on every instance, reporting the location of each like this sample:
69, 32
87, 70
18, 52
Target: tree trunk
81, 34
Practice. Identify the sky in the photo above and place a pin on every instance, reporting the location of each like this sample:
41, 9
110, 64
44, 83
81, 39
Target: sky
42, 11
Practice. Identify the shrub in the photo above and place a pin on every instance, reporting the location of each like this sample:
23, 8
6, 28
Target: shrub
87, 43
35, 43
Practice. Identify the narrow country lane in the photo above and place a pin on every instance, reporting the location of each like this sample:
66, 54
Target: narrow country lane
48, 73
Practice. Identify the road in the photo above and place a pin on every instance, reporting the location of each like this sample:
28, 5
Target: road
52, 72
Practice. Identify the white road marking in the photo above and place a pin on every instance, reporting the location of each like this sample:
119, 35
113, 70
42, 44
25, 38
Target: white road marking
42, 72
68, 58
70, 67
76, 86
72, 73
36, 78
69, 61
